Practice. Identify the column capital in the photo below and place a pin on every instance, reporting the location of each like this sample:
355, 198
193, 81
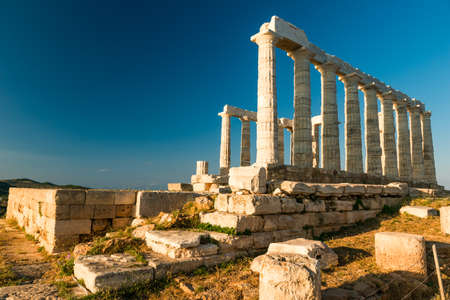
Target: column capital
350, 79
389, 95
326, 67
265, 37
426, 113
224, 114
244, 118
300, 53
370, 86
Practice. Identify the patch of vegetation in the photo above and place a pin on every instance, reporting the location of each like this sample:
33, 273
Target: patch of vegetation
137, 291
8, 277
65, 265
64, 289
30, 237
216, 228
129, 245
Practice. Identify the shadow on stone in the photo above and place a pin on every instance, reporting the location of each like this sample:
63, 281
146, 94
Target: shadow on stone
348, 255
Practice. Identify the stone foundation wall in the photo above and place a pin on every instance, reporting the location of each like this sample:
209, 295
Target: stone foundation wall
300, 210
319, 175
60, 218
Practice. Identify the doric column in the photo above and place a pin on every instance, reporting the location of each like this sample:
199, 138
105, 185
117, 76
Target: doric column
202, 167
330, 153
280, 144
353, 143
372, 131
316, 145
416, 142
225, 147
403, 145
245, 141
389, 151
291, 145
428, 149
267, 124
302, 152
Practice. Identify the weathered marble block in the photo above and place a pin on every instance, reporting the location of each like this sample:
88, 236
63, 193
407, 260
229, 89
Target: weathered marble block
419, 211
241, 223
445, 219
252, 178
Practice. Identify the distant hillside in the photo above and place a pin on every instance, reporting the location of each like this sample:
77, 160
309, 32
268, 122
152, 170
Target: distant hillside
29, 183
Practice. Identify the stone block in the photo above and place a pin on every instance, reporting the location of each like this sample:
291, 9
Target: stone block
221, 202
198, 251
389, 190
309, 248
201, 187
314, 205
329, 190
140, 231
228, 242
124, 210
391, 201
290, 205
102, 197
372, 203
402, 186
100, 225
205, 178
354, 189
175, 238
419, 211
352, 217
296, 188
54, 211
151, 203
373, 189
124, 198
252, 178
254, 204
114, 271
69, 196
241, 223
262, 239
289, 277
68, 227
445, 219
78, 212
104, 212
180, 187
396, 251
340, 205
119, 223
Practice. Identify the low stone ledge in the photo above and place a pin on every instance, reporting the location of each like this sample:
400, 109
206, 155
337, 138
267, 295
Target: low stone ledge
445, 219
419, 211
179, 187
111, 271
241, 223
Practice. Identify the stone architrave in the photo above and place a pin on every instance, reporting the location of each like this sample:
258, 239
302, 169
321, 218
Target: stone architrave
280, 144
353, 142
403, 144
416, 142
330, 153
245, 142
428, 149
389, 156
302, 150
372, 131
225, 146
267, 125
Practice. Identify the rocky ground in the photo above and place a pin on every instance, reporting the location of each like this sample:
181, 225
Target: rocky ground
28, 272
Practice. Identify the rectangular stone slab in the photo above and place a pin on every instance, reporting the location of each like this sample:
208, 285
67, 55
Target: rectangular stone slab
111, 271
419, 211
175, 238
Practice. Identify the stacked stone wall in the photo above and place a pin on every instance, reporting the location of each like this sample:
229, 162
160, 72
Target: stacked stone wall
60, 218
300, 210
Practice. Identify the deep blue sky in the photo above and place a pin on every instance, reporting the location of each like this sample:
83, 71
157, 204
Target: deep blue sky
126, 93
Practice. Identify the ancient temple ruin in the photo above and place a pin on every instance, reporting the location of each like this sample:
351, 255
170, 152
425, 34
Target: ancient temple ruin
395, 151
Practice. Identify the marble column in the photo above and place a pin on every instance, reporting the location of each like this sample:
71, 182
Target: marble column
245, 141
389, 149
316, 145
291, 145
302, 151
330, 153
225, 147
353, 141
428, 149
202, 167
372, 131
267, 125
280, 144
403, 144
416, 142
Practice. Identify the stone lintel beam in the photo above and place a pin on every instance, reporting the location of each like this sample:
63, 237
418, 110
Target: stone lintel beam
240, 113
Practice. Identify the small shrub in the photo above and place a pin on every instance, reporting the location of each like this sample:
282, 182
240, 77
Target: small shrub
65, 265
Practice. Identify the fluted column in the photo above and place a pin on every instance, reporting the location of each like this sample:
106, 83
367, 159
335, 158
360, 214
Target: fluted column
245, 141
267, 125
403, 144
291, 145
302, 151
225, 147
416, 142
280, 144
389, 151
353, 142
330, 153
372, 131
428, 149
316, 145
